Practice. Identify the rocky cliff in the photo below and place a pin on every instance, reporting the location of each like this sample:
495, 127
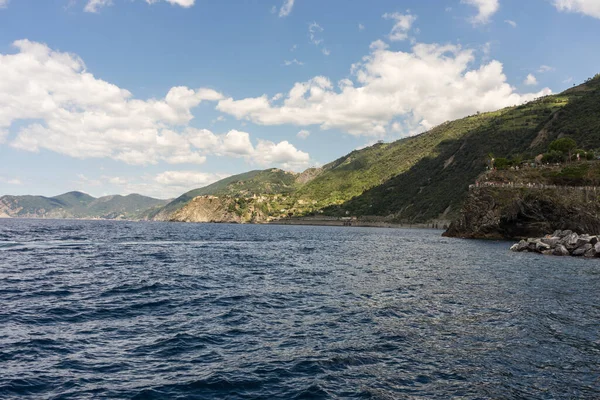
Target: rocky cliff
519, 213
221, 209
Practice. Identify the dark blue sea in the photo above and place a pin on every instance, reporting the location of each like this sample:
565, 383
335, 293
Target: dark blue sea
122, 310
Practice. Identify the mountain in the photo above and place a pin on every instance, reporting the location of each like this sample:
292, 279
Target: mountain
413, 180
268, 182
424, 177
455, 153
78, 205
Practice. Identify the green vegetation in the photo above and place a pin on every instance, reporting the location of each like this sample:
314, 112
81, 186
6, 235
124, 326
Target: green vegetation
79, 205
426, 176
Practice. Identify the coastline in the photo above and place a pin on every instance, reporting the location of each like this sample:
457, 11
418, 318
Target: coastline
357, 223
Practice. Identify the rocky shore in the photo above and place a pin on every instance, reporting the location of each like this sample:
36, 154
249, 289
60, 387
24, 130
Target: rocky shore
561, 243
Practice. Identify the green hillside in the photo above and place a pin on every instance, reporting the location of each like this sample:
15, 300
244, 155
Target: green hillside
78, 205
267, 182
424, 177
438, 182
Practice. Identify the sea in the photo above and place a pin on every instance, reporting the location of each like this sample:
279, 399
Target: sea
149, 310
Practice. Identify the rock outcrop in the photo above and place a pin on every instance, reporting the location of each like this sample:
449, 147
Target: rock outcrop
561, 243
520, 213
221, 210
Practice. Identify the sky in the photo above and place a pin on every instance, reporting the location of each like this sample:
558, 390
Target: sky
158, 97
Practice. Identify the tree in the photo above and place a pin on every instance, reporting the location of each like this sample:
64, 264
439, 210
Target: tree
564, 145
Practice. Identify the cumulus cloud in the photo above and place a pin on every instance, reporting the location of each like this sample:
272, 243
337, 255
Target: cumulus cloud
3, 3
402, 25
94, 5
422, 88
286, 8
511, 23
486, 8
62, 107
238, 144
586, 7
361, 27
531, 80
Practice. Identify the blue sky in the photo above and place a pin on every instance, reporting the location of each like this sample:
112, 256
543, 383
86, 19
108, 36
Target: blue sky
159, 97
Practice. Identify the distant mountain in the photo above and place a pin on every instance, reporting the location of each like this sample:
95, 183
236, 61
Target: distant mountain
78, 205
420, 178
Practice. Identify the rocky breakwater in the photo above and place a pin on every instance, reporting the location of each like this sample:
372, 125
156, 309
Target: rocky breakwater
562, 243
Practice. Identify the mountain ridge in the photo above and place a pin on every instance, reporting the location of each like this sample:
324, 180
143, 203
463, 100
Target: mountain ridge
412, 180
80, 205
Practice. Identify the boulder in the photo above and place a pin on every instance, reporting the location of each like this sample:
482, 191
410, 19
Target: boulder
551, 241
560, 250
594, 240
540, 247
521, 246
582, 241
597, 247
570, 241
591, 253
580, 251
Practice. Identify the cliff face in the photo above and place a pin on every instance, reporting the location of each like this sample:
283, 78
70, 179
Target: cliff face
220, 209
518, 213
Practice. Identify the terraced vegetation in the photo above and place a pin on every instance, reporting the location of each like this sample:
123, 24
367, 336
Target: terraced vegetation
420, 178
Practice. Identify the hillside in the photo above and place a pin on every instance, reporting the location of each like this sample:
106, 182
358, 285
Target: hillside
78, 205
420, 178
436, 185
413, 180
267, 182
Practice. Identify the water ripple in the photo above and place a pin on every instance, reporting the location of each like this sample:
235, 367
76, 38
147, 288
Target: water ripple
101, 309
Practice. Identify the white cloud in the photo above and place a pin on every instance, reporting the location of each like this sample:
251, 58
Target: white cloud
511, 23
425, 87
94, 5
568, 80
313, 30
326, 51
531, 80
486, 8
287, 63
238, 144
282, 153
4, 3
62, 107
402, 26
193, 179
361, 27
167, 184
303, 134
286, 8
586, 7
545, 68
